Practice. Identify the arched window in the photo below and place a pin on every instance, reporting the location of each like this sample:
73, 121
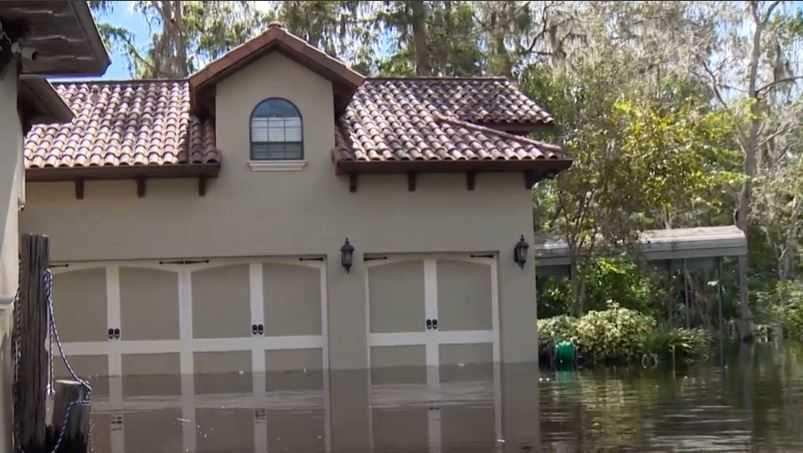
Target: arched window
276, 131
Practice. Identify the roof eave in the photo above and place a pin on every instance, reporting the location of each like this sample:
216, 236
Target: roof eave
122, 172
41, 103
539, 166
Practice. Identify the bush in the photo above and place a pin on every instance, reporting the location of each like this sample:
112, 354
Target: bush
555, 329
688, 344
618, 280
607, 281
613, 335
783, 304
622, 335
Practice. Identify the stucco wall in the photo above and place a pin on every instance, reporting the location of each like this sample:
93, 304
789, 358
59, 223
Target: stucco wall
246, 213
10, 195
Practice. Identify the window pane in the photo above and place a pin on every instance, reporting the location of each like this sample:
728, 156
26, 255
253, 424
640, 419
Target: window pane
276, 131
292, 134
276, 108
276, 134
276, 151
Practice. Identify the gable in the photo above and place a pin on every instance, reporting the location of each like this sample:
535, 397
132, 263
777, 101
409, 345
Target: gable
344, 80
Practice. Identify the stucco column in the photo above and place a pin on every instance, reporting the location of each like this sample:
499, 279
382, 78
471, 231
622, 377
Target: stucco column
518, 310
348, 383
10, 183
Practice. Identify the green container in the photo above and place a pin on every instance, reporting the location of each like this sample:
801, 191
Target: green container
565, 354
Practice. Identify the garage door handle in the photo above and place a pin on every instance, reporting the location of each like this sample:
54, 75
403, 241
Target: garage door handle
253, 329
435, 324
429, 324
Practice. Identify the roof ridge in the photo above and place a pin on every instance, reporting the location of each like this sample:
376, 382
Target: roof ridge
438, 78
458, 122
113, 82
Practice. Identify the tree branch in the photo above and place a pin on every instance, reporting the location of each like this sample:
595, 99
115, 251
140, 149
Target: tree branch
777, 82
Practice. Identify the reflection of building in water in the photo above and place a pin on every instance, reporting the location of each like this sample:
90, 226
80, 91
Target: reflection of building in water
317, 411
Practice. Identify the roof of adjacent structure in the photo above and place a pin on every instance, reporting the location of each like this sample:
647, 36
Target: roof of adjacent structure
146, 123
666, 244
440, 120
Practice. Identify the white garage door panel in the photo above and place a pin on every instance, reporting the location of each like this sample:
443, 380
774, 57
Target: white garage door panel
433, 323
185, 307
185, 329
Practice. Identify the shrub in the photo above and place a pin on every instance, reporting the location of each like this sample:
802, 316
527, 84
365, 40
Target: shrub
552, 330
618, 280
783, 303
622, 335
688, 344
613, 335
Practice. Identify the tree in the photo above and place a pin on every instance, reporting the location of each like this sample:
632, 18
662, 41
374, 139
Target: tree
752, 89
187, 35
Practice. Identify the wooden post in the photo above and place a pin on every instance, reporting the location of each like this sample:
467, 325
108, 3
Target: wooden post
76, 432
30, 387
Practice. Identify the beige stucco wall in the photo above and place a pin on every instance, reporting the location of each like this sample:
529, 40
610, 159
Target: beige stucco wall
10, 197
246, 213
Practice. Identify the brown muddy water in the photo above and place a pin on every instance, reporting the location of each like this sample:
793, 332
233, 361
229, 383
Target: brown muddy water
749, 399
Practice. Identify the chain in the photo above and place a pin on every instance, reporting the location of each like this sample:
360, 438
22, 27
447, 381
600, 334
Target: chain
53, 336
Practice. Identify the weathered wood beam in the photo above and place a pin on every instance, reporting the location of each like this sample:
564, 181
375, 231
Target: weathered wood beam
79, 188
202, 186
30, 387
353, 182
412, 178
142, 183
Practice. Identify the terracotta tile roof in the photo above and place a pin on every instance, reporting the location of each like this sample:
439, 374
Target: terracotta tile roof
439, 120
123, 124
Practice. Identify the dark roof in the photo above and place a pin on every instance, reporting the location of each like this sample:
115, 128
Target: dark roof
63, 34
117, 124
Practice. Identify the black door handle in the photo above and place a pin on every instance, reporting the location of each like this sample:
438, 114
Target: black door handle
429, 324
111, 333
117, 333
435, 324
253, 329
261, 329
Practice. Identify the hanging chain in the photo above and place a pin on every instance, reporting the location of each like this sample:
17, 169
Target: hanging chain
53, 336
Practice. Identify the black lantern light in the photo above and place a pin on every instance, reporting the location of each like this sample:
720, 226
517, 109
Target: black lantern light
347, 255
520, 252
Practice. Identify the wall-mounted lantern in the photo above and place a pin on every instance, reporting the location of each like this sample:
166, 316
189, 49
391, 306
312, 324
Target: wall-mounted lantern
347, 255
520, 252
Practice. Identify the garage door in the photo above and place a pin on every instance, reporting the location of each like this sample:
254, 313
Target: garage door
432, 330
184, 328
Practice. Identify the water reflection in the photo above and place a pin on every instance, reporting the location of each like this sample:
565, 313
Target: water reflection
751, 400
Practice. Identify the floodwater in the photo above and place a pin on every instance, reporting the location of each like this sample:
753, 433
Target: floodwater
749, 399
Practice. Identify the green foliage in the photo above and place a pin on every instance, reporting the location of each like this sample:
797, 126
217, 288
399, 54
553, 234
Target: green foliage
620, 335
553, 330
687, 344
616, 280
608, 280
783, 303
613, 335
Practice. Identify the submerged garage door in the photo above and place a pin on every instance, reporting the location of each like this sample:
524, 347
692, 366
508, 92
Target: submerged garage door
217, 316
178, 329
432, 330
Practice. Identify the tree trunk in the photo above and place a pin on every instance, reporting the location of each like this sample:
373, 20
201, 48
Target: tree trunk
420, 37
750, 149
